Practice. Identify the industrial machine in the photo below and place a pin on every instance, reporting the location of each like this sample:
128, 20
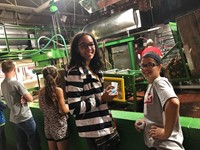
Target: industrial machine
32, 48
122, 67
44, 48
119, 54
122, 64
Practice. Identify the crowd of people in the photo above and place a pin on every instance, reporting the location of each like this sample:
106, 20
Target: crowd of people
87, 102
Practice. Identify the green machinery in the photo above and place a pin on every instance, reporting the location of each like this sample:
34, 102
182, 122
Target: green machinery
121, 55
174, 60
122, 64
33, 44
20, 42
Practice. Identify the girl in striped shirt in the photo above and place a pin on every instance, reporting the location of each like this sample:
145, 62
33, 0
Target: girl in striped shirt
86, 95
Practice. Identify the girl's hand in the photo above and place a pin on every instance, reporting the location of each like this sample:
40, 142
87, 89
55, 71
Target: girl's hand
107, 96
157, 133
140, 125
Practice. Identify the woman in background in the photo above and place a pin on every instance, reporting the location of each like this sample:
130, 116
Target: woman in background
52, 104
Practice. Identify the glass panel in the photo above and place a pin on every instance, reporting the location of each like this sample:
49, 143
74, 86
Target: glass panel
89, 5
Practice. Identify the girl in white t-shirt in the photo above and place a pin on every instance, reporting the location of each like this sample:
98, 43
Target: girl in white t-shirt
162, 130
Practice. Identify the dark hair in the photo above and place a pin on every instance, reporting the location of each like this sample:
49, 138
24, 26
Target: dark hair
78, 60
50, 74
7, 66
154, 56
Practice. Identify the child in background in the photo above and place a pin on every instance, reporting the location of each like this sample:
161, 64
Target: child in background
17, 98
2, 125
52, 104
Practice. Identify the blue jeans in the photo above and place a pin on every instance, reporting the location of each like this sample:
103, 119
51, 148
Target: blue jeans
2, 138
27, 137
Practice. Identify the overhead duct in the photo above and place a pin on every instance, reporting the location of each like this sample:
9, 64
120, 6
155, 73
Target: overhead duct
20, 9
118, 23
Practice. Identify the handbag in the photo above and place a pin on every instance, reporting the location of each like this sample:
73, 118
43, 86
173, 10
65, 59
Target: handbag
108, 142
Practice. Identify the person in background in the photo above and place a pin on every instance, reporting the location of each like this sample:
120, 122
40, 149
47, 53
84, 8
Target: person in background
86, 95
2, 126
162, 129
52, 104
16, 97
151, 48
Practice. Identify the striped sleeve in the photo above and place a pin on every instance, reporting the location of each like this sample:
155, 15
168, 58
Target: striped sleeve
80, 98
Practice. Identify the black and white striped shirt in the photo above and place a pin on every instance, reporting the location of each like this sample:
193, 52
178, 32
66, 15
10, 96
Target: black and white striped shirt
83, 92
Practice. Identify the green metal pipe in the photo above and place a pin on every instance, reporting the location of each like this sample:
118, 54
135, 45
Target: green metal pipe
132, 55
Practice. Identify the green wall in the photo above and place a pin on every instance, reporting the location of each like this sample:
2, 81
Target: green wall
130, 138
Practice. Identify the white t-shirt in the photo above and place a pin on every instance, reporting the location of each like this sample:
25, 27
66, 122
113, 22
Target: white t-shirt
157, 94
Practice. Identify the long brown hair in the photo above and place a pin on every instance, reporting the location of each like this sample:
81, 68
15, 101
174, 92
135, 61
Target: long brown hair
51, 75
77, 59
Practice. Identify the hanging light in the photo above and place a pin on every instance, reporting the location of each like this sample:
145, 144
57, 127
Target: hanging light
53, 7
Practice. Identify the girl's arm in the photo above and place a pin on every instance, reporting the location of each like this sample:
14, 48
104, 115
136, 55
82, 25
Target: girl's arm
61, 101
40, 105
171, 112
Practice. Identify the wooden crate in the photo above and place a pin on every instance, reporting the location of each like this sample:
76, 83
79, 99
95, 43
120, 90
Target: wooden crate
189, 28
